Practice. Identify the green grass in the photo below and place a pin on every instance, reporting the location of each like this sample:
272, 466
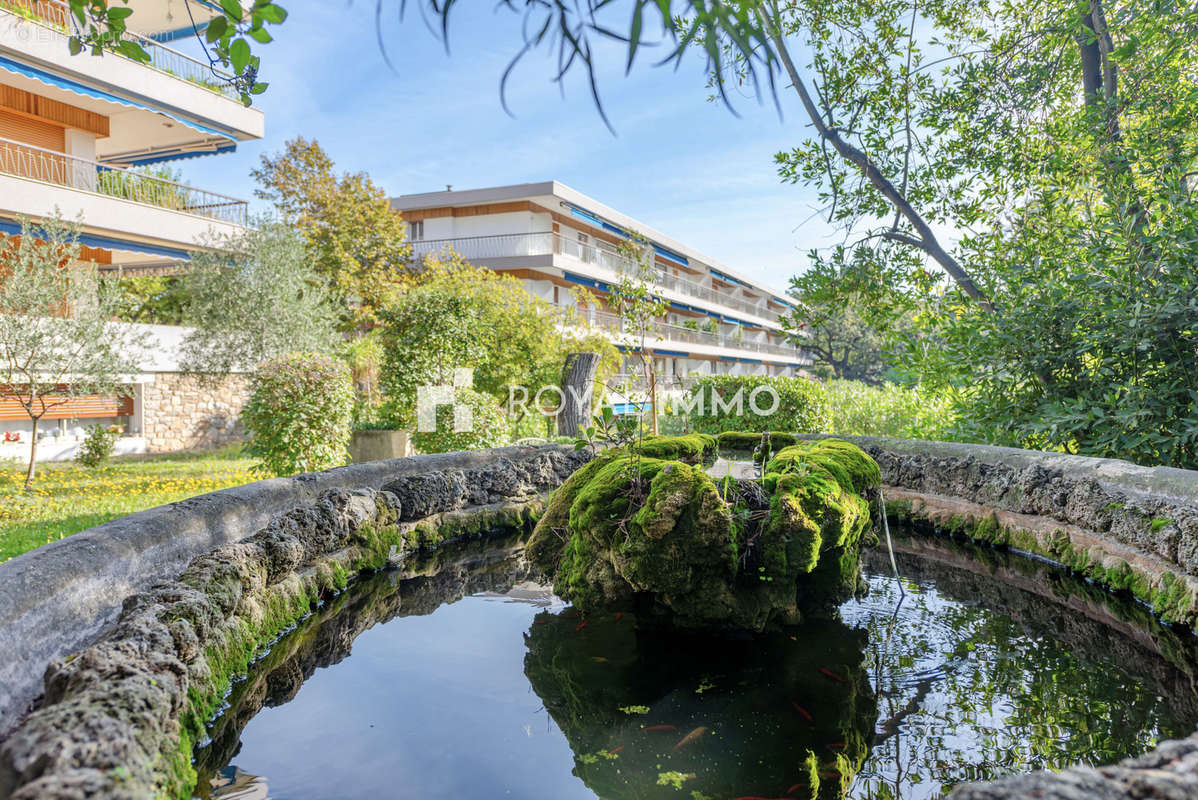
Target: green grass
68, 498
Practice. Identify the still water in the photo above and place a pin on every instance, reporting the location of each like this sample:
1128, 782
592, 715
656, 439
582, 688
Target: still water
462, 679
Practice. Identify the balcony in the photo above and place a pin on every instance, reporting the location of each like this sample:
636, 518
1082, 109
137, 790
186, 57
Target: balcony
549, 243
56, 15
48, 166
606, 320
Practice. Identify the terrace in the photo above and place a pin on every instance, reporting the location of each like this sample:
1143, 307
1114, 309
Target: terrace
60, 169
482, 248
56, 16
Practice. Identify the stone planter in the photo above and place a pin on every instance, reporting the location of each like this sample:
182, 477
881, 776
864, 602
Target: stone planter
379, 445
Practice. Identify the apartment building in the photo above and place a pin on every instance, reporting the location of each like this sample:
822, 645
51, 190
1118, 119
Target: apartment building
89, 137
554, 238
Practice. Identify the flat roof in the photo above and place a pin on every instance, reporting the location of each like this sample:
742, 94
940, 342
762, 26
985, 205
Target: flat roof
546, 192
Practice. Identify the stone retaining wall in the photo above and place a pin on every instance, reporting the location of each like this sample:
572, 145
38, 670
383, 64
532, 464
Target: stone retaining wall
183, 412
120, 719
59, 598
1129, 528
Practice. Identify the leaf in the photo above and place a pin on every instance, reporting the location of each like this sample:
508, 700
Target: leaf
118, 13
239, 54
133, 50
260, 35
273, 13
75, 46
258, 88
216, 28
232, 9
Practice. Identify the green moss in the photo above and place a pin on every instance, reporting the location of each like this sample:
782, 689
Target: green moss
692, 448
742, 440
1159, 523
848, 464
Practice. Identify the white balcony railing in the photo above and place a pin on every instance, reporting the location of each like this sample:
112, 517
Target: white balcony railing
539, 244
27, 161
57, 16
608, 321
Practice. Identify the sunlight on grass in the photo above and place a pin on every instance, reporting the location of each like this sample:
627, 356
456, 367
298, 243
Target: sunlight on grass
68, 498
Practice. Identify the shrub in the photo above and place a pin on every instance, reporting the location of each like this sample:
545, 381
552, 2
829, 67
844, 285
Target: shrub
491, 428
888, 410
97, 445
299, 414
801, 406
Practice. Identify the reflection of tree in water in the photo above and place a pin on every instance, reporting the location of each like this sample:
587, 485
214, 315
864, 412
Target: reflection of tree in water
650, 712
326, 638
1008, 665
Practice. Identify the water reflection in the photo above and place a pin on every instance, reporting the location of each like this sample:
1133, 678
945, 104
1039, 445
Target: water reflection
648, 713
467, 681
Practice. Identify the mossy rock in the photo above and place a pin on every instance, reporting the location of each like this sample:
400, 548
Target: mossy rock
693, 448
745, 440
657, 535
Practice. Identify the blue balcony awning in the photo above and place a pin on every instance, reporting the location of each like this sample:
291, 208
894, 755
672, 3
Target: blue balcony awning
12, 228
50, 79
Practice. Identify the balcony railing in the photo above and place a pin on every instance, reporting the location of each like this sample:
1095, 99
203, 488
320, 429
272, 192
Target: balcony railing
27, 161
606, 320
57, 15
539, 244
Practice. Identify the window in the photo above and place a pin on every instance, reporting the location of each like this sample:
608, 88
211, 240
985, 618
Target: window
583, 238
416, 230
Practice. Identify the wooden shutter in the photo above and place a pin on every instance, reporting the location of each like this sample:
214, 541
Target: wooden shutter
90, 405
46, 135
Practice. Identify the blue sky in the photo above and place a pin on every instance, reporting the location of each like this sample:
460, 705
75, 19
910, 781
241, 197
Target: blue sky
677, 162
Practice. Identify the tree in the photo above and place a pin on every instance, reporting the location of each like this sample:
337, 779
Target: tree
99, 26
56, 339
640, 312
253, 297
357, 241
462, 316
152, 299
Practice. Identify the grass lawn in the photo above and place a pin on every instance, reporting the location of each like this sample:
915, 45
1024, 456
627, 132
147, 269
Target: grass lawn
68, 498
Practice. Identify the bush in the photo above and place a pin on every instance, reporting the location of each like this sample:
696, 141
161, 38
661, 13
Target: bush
97, 445
888, 410
801, 406
299, 414
492, 428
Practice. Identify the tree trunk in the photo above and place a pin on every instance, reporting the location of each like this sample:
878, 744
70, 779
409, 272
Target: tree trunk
32, 455
578, 386
652, 402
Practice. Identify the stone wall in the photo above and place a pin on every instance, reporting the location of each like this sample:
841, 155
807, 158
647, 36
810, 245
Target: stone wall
185, 412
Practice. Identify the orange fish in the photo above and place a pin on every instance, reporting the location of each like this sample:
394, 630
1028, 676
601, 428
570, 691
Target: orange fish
806, 714
829, 774
832, 675
838, 745
619, 616
690, 737
660, 728
581, 625
795, 788
616, 749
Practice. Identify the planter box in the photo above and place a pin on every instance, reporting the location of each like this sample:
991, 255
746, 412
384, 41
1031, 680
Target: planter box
379, 446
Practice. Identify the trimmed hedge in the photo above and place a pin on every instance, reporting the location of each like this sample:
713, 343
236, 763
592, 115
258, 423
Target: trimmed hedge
801, 406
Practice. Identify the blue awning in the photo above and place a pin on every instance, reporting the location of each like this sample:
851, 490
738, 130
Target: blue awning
108, 243
58, 82
156, 158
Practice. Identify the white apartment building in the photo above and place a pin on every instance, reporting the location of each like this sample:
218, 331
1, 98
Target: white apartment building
554, 238
83, 134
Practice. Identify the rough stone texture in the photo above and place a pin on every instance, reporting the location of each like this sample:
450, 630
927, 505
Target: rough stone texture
182, 412
59, 598
118, 719
1128, 527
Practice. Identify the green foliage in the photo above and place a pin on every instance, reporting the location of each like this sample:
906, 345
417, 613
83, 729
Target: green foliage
692, 448
152, 299
358, 245
97, 445
801, 407
253, 298
103, 26
56, 337
890, 409
462, 316
491, 427
299, 414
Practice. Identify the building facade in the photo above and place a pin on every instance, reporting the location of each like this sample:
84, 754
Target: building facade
555, 239
94, 139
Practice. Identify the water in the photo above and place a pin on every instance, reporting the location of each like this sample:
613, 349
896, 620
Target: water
460, 679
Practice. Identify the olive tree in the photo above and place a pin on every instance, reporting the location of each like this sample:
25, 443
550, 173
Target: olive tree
57, 342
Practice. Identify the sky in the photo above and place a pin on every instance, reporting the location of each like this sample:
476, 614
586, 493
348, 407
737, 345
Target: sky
677, 162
